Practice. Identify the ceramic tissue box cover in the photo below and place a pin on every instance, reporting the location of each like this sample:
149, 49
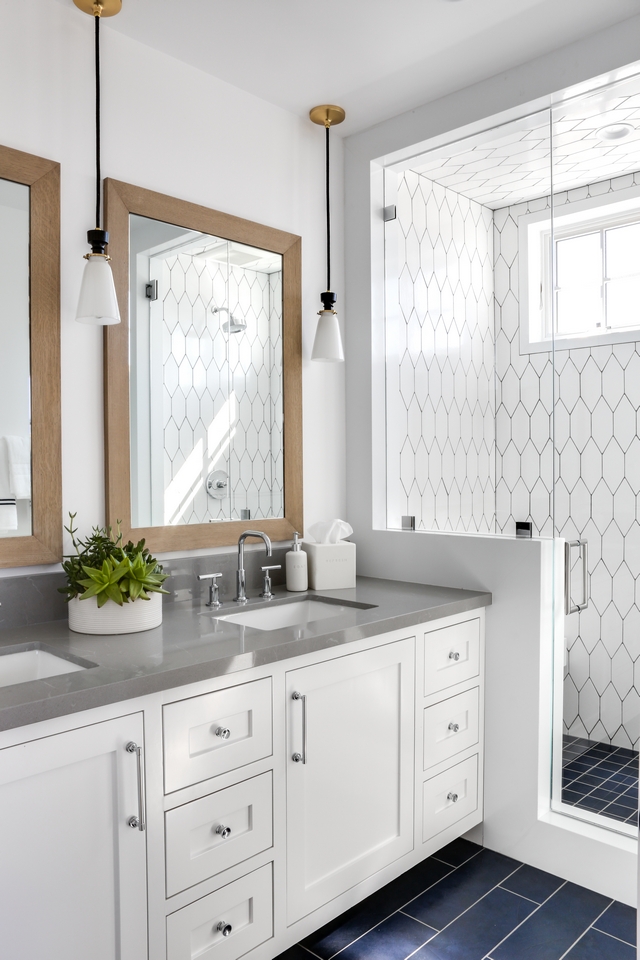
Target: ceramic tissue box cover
332, 566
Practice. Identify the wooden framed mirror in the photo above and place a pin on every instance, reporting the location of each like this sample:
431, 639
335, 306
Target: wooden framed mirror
30, 461
203, 376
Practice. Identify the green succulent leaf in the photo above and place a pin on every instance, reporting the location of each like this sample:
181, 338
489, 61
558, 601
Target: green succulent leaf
105, 568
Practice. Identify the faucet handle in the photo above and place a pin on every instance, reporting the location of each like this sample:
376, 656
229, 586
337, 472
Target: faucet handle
214, 588
266, 590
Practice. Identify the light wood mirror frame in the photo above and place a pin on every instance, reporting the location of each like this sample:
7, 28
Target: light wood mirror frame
44, 545
121, 200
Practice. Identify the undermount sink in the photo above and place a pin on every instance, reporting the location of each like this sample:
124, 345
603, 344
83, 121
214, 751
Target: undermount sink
36, 663
291, 614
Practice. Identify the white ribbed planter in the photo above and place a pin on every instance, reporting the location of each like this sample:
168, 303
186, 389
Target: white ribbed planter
85, 616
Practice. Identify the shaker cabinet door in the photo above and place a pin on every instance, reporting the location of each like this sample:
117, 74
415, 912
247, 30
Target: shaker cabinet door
350, 755
72, 870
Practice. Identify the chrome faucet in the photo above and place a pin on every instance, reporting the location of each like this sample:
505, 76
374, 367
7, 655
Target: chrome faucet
241, 596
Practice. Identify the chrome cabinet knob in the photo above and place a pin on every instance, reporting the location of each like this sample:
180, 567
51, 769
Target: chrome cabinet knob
224, 928
134, 822
453, 797
454, 727
454, 655
297, 757
223, 732
223, 832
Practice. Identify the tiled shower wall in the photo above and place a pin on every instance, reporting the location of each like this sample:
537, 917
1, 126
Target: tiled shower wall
440, 347
222, 393
597, 410
470, 443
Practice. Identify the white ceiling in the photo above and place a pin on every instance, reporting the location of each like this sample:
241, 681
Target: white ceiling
376, 58
512, 163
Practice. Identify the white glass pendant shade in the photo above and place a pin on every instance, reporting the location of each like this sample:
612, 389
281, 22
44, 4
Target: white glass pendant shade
98, 303
328, 342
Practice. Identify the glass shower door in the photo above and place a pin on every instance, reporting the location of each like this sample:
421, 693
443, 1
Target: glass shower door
590, 299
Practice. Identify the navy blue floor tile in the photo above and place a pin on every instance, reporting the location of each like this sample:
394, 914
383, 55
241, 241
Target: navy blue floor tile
473, 935
458, 852
458, 891
616, 811
532, 883
598, 946
556, 925
583, 788
602, 793
590, 803
296, 952
334, 936
620, 921
591, 778
569, 796
394, 939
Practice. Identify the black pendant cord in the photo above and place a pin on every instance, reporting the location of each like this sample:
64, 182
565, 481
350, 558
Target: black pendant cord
328, 213
98, 171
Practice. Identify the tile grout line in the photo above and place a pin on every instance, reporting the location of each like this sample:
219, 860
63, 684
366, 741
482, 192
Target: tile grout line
590, 927
309, 951
487, 956
605, 934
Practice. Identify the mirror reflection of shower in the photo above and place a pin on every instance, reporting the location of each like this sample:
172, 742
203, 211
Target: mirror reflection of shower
203, 399
232, 324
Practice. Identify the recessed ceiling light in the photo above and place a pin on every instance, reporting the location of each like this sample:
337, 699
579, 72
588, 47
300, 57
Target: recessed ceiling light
615, 131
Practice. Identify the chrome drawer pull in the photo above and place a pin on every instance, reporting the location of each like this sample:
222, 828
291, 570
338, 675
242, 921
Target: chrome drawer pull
223, 732
301, 757
224, 928
138, 822
453, 797
223, 832
454, 655
454, 727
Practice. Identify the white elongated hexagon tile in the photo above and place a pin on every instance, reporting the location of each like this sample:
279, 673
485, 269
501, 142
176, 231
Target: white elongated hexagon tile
203, 427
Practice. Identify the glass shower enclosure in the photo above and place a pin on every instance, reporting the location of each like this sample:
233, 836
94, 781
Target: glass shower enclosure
512, 324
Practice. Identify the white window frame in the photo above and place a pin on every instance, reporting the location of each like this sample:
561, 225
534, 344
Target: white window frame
534, 265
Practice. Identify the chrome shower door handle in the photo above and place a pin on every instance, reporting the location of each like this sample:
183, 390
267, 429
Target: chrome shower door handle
583, 548
301, 757
138, 821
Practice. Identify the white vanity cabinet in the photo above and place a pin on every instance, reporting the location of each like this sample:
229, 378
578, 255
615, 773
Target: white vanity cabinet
72, 870
450, 700
275, 798
350, 758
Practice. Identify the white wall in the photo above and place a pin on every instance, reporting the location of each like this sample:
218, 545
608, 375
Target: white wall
171, 128
519, 622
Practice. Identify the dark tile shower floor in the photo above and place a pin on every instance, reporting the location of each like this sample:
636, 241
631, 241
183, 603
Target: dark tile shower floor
601, 778
469, 903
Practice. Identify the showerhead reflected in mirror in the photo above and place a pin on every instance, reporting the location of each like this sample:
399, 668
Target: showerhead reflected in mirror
205, 377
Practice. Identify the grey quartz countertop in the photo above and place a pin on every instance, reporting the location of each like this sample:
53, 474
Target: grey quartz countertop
192, 645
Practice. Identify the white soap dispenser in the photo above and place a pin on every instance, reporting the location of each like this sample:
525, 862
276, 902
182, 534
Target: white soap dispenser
296, 567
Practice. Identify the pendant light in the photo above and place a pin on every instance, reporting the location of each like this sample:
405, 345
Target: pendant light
328, 342
98, 303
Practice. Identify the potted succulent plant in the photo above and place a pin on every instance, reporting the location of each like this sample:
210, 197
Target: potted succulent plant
111, 587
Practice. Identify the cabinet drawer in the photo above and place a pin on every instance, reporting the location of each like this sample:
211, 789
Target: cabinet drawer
217, 732
439, 808
450, 726
245, 906
451, 655
197, 843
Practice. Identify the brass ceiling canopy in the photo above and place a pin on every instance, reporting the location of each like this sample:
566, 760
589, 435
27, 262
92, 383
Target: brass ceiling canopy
99, 8
326, 115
